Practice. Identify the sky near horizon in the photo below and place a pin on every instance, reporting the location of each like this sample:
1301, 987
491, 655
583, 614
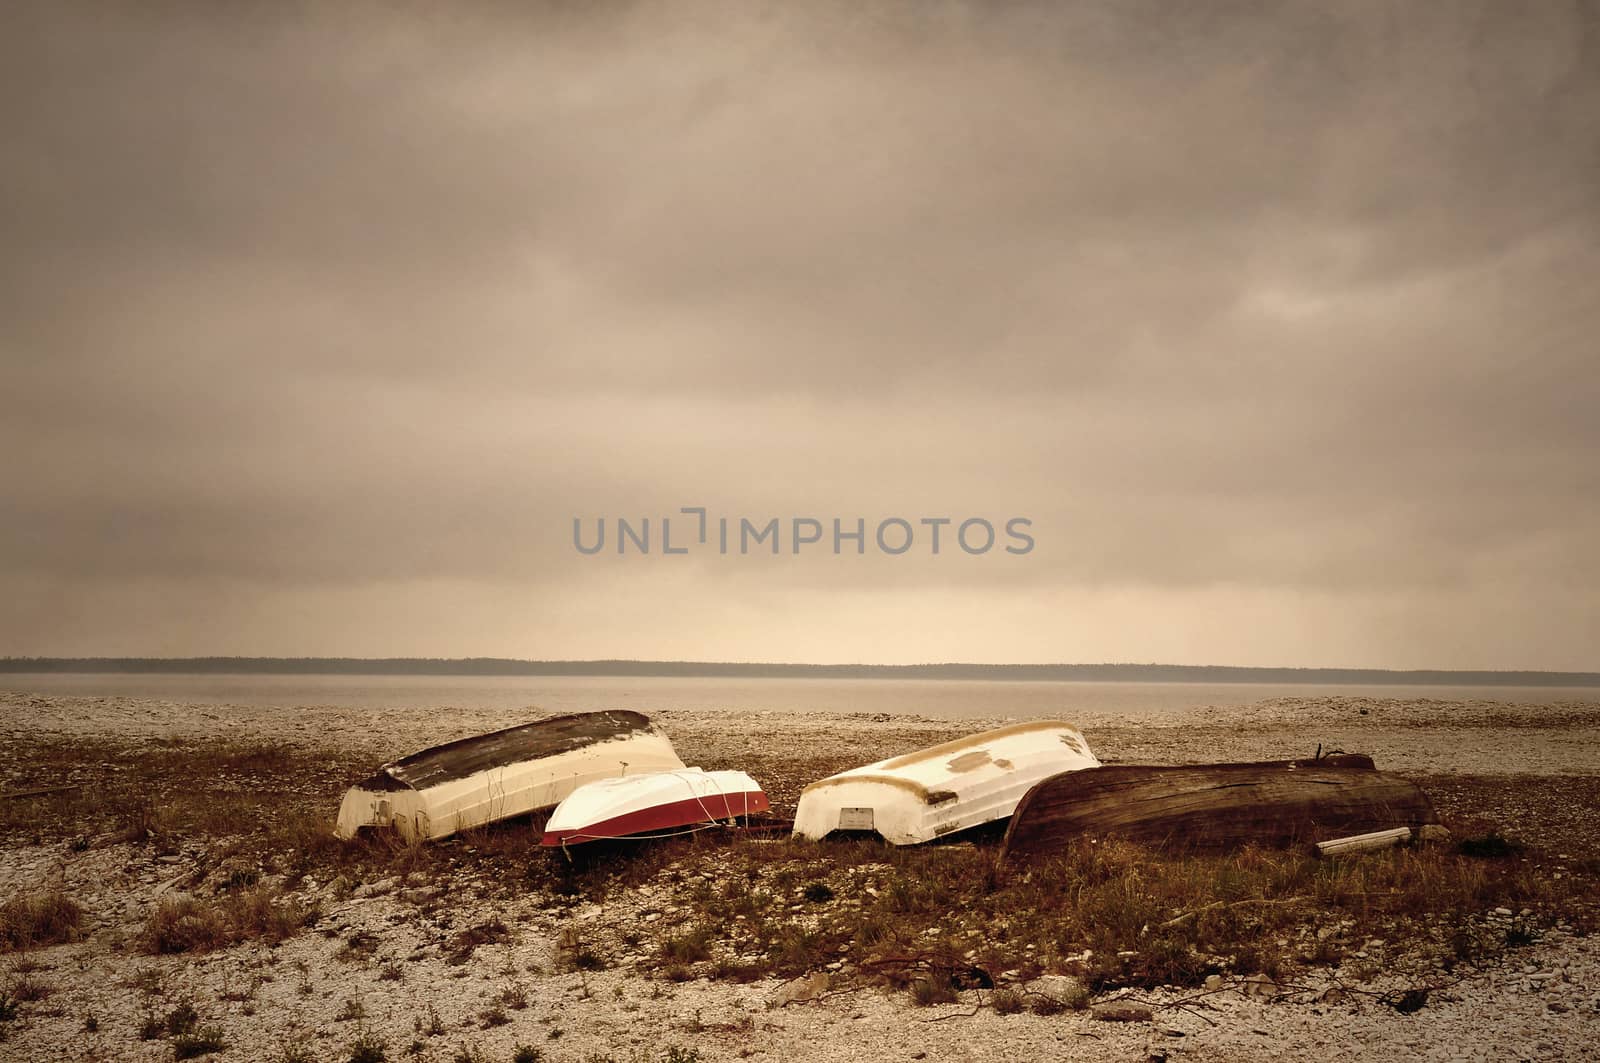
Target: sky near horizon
321, 324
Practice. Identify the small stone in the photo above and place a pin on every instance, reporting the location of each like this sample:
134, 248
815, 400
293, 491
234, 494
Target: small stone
1259, 987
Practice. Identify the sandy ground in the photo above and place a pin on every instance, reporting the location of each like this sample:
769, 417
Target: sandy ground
1533, 769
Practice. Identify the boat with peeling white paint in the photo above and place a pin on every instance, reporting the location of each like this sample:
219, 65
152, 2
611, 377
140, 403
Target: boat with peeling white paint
655, 805
484, 778
943, 789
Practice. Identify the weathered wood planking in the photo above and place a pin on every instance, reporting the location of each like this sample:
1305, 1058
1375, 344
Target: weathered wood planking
1215, 806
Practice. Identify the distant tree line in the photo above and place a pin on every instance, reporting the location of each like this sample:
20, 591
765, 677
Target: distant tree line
1113, 673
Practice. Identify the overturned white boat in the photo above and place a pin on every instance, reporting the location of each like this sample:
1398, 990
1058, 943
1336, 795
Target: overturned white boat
494, 776
655, 805
933, 792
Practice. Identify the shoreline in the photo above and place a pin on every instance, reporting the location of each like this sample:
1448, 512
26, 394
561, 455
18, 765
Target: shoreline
1484, 762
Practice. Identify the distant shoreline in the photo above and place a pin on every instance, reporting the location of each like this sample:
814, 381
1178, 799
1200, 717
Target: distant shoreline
500, 666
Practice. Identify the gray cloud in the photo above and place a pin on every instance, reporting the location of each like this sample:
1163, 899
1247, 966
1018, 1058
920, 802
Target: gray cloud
1256, 310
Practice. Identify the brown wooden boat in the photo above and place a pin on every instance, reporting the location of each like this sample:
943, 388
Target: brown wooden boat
1273, 804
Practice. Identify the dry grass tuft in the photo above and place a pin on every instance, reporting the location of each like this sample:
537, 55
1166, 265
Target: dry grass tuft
38, 919
188, 925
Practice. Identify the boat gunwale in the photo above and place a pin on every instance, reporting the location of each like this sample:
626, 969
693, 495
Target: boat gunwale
626, 724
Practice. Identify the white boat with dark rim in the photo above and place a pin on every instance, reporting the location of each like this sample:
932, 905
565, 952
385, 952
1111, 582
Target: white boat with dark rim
659, 804
946, 788
489, 777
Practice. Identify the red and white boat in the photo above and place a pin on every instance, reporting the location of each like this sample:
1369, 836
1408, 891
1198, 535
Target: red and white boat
653, 805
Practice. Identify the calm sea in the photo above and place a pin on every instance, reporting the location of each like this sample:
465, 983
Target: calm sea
937, 698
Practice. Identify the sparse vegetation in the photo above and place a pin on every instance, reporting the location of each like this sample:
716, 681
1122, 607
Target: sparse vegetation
203, 1042
1110, 913
296, 1050
933, 988
180, 1020
428, 1022
38, 919
1006, 1001
919, 920
679, 1054
190, 925
461, 947
30, 990
368, 1047
1490, 846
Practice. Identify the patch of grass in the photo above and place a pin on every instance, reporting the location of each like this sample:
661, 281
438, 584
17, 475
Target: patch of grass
933, 988
493, 1016
428, 1022
1112, 914
202, 1042
1006, 1001
188, 925
30, 990
490, 932
38, 919
141, 820
679, 1054
180, 1020
357, 947
526, 1054
818, 893
1491, 846
368, 1047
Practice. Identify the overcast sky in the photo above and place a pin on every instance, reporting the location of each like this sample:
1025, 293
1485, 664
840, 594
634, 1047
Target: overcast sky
319, 327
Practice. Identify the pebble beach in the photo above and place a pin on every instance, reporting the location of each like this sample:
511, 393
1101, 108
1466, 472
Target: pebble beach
1528, 771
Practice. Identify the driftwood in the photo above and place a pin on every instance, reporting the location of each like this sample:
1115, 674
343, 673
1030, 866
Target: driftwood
1361, 843
1215, 806
41, 791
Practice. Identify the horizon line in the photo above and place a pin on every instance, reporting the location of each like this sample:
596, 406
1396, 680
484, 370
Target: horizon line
1111, 671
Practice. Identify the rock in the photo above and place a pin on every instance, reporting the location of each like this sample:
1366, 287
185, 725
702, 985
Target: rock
1118, 1011
809, 987
1259, 987
1213, 983
1062, 988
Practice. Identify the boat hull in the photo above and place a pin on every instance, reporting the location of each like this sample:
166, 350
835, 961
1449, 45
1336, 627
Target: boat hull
660, 803
955, 786
1273, 804
479, 780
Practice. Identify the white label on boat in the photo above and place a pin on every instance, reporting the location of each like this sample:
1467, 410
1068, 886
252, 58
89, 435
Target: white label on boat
855, 819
